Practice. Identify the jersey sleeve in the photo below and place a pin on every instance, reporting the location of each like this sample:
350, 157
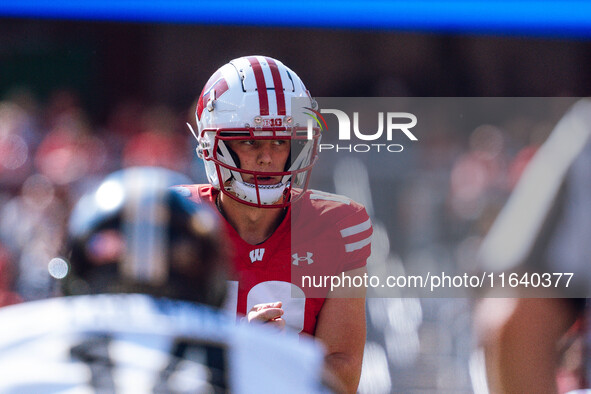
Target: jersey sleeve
344, 227
354, 233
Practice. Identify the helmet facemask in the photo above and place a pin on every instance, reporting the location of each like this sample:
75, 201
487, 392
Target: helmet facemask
292, 180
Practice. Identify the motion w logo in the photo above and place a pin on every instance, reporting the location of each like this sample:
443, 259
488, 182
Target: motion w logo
257, 255
297, 259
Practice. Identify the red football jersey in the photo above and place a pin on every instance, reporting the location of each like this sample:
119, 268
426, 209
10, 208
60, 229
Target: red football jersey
322, 235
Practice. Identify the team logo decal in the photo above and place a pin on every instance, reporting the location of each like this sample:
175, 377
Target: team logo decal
213, 89
297, 259
257, 255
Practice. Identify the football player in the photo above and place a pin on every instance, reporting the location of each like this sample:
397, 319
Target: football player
258, 150
145, 269
544, 232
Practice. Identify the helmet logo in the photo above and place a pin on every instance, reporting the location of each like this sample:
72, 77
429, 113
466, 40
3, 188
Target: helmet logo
214, 88
272, 122
259, 121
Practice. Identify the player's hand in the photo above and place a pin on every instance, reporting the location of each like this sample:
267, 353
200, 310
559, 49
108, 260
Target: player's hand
269, 314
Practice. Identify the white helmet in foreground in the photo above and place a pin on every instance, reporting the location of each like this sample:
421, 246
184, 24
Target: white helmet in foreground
251, 98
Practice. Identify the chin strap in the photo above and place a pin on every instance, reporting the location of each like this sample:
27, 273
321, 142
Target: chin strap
269, 194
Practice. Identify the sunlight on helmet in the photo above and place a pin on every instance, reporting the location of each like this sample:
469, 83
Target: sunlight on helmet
110, 195
58, 268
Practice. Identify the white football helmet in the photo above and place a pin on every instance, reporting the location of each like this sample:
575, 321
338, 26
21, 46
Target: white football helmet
250, 98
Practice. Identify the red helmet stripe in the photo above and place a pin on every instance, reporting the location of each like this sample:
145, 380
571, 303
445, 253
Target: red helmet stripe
261, 86
216, 82
278, 86
220, 87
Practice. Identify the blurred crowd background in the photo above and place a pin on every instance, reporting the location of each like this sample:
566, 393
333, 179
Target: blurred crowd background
81, 99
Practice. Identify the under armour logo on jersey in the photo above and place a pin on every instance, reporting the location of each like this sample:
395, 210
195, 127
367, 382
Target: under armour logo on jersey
297, 259
257, 255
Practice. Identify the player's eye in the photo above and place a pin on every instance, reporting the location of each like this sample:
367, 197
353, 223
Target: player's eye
248, 142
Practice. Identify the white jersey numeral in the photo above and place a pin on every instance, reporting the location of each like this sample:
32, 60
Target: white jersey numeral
292, 297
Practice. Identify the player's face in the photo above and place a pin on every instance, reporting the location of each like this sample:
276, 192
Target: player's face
261, 155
